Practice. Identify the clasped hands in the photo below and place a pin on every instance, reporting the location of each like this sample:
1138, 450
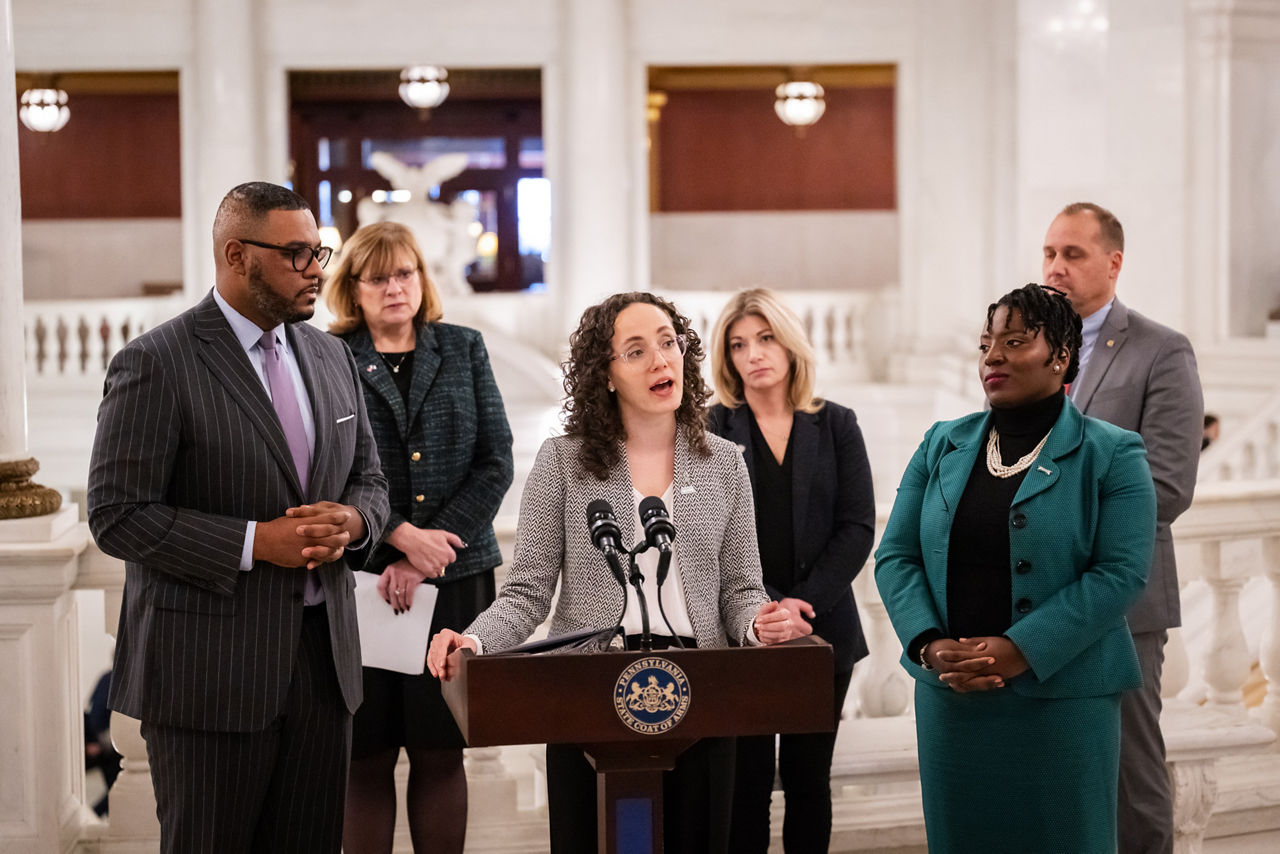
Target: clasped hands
782, 620
975, 664
427, 552
309, 535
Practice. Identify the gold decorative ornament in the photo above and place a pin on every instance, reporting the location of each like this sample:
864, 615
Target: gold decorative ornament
19, 497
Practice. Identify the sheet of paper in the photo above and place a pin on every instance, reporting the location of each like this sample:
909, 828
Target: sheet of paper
389, 640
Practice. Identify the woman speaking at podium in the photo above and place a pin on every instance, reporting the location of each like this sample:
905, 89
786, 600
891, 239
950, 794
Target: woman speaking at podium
634, 428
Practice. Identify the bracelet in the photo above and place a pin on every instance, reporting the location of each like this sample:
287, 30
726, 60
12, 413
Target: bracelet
924, 662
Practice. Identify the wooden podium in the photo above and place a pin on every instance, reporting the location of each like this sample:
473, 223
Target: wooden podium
634, 712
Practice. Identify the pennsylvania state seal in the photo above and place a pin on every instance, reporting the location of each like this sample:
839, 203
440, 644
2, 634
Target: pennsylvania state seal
651, 696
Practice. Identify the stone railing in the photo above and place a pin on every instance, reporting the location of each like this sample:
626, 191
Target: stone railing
79, 337
1249, 452
841, 326
1229, 537
876, 745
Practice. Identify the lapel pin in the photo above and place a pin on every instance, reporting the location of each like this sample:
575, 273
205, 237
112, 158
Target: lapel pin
370, 369
1111, 342
1045, 470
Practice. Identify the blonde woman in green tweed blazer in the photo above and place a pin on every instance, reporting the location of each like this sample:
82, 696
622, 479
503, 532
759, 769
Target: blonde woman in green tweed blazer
1007, 572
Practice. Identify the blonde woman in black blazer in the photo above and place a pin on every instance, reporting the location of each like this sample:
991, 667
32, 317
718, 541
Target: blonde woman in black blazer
442, 434
634, 425
815, 518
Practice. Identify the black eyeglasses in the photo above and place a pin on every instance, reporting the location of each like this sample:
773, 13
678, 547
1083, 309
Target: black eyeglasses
299, 256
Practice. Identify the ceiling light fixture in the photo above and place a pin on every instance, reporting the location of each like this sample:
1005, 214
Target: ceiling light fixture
44, 109
424, 87
800, 103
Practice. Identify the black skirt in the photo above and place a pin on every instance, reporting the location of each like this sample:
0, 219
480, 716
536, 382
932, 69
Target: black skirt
400, 710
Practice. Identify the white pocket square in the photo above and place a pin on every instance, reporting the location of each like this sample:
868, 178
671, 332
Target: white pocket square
345, 418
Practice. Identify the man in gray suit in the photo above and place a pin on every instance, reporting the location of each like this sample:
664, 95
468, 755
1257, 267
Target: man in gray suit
1140, 375
232, 468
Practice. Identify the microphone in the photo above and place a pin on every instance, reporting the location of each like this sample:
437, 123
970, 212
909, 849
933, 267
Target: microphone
606, 536
658, 532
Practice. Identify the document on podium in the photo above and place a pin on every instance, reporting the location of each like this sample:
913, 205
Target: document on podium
392, 641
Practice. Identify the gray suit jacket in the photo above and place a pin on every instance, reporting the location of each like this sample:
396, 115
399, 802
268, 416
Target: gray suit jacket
715, 543
188, 449
1142, 376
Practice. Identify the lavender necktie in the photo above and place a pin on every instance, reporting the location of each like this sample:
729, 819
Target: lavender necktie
285, 400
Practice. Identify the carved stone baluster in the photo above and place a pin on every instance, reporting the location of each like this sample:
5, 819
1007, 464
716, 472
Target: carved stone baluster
1269, 647
490, 787
42, 337
1194, 784
1226, 661
60, 332
84, 350
881, 687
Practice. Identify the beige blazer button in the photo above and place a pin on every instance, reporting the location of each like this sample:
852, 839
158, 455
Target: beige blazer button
420, 498
415, 456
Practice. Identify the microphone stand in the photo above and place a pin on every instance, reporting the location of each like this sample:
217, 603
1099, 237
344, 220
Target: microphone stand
664, 562
637, 580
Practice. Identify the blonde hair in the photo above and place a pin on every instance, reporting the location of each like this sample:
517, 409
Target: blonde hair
372, 249
789, 332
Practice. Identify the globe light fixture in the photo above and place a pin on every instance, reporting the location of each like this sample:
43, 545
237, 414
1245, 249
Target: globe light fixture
800, 103
44, 110
424, 87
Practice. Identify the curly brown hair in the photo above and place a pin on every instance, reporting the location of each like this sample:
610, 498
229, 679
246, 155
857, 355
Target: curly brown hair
591, 411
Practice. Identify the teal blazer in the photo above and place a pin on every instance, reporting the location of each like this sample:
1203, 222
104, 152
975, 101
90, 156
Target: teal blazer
1081, 529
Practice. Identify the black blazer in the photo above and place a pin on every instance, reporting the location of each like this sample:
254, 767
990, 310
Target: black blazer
456, 425
834, 513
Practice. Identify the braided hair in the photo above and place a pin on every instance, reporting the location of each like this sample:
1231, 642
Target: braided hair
1046, 310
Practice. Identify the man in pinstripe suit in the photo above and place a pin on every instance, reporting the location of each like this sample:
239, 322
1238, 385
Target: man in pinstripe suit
232, 468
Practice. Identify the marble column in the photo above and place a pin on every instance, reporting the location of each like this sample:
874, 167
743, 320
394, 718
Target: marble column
1232, 110
18, 496
222, 140
601, 121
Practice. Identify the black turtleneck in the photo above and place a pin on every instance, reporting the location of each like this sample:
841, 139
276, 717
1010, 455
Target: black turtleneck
979, 578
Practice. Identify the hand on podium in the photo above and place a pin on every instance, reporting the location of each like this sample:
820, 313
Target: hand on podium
445, 642
772, 623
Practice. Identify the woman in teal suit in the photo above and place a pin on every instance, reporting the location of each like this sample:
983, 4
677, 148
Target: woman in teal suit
1018, 540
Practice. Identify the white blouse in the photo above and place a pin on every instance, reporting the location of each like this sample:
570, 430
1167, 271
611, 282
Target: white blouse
673, 601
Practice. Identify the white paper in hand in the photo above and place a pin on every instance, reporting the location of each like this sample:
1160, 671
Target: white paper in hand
389, 640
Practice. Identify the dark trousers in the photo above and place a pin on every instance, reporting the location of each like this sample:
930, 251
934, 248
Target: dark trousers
804, 767
277, 790
696, 799
1145, 815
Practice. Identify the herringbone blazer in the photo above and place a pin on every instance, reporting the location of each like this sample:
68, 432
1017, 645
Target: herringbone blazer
1081, 528
456, 426
1142, 376
715, 542
188, 449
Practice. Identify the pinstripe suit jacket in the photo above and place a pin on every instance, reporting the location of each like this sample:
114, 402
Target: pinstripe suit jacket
1142, 376
1081, 526
188, 449
715, 543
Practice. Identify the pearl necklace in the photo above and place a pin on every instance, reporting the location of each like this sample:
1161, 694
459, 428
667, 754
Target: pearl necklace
998, 468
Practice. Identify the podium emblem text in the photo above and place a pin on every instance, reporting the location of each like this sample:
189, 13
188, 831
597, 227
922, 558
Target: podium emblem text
651, 696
